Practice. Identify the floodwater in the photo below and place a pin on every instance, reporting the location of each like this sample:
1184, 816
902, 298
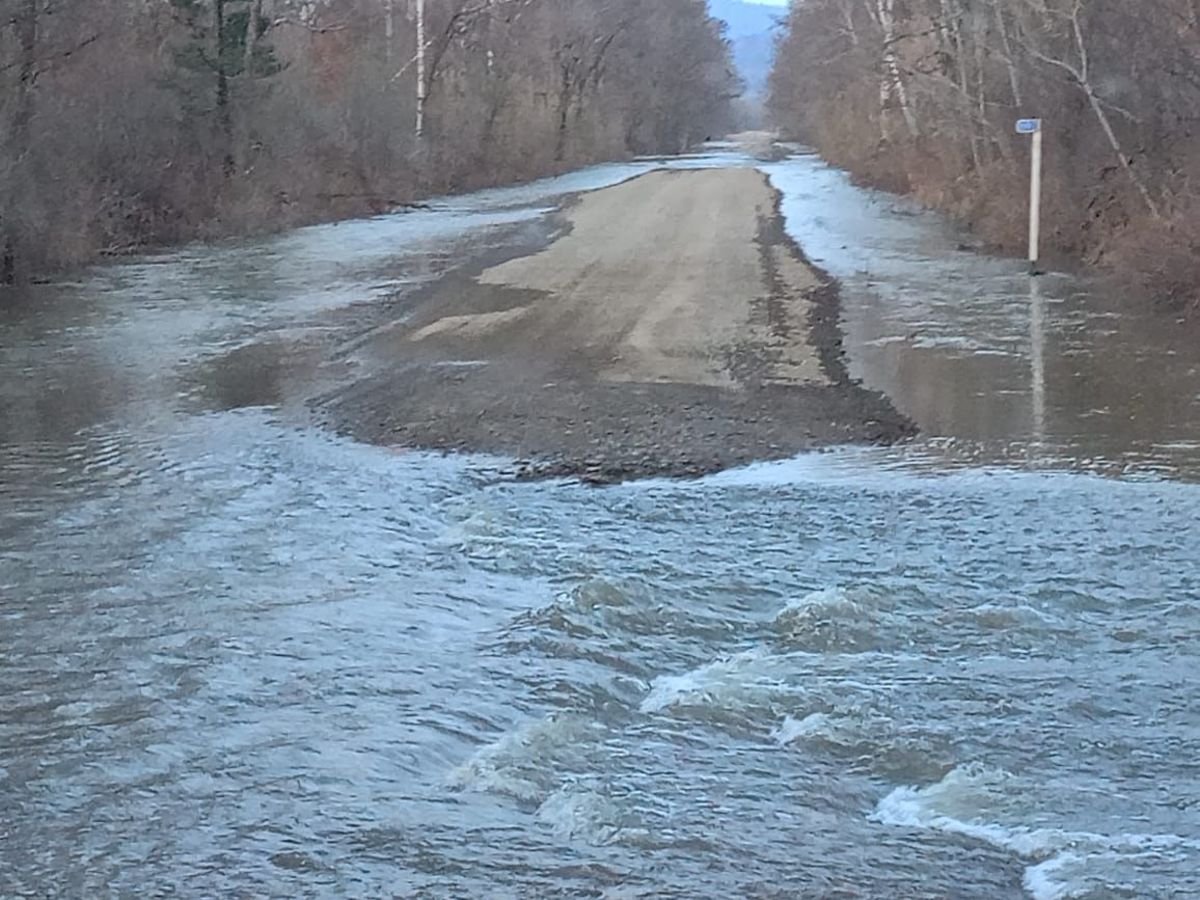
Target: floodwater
242, 657
1054, 372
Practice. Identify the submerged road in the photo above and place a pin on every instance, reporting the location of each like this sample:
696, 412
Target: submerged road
243, 656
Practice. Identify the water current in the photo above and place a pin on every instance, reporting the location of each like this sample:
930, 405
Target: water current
240, 656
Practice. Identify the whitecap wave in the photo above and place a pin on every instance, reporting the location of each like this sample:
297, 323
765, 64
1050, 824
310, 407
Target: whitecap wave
1050, 880
736, 682
594, 606
1005, 617
581, 815
843, 727
829, 621
527, 763
866, 735
791, 730
977, 802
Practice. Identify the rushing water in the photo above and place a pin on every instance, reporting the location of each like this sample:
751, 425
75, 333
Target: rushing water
239, 656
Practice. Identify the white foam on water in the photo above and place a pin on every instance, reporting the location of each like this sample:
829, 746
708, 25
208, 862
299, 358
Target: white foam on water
865, 732
1116, 872
525, 763
833, 600
791, 729
76, 710
844, 728
581, 815
807, 468
829, 621
1002, 617
731, 682
595, 598
1045, 881
630, 892
480, 527
970, 799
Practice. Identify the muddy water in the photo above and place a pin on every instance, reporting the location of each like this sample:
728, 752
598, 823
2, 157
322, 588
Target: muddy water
1058, 371
239, 656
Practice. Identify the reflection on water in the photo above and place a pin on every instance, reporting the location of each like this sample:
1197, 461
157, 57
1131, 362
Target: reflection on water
1037, 359
239, 657
952, 336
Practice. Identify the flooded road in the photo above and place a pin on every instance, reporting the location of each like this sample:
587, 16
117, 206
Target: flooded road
1059, 371
242, 657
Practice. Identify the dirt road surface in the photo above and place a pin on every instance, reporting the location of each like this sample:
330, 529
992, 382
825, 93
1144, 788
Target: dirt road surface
671, 329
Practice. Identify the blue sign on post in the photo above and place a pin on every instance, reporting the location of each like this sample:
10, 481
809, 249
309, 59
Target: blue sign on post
1034, 127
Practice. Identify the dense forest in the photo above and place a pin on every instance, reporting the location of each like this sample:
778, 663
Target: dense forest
127, 122
921, 96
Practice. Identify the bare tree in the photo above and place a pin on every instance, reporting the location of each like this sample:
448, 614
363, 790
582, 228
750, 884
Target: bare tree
1117, 83
127, 122
1063, 24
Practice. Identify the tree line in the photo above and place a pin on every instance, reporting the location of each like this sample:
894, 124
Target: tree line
921, 96
129, 122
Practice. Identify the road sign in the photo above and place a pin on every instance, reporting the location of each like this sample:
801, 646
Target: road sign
1034, 127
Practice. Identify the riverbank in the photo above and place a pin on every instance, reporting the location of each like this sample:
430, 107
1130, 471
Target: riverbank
670, 328
241, 211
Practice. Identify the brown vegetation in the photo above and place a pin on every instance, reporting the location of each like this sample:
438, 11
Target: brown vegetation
127, 122
921, 96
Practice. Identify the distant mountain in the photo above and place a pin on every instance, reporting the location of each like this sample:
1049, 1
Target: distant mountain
752, 33
744, 18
